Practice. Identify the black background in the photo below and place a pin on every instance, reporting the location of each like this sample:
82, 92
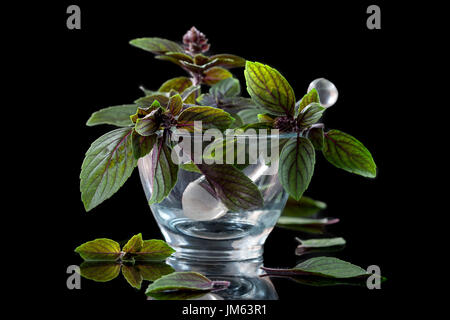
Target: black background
96, 67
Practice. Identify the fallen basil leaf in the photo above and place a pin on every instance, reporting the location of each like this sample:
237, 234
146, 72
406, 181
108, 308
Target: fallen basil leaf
177, 295
328, 282
184, 281
305, 224
304, 207
132, 276
152, 271
115, 115
307, 245
107, 165
134, 244
328, 267
100, 271
153, 250
345, 152
99, 250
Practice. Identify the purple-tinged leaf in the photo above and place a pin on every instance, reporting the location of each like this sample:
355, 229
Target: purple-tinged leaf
296, 167
184, 281
313, 245
233, 187
99, 250
116, 115
328, 267
165, 172
228, 60
345, 152
269, 89
142, 145
310, 114
153, 250
134, 244
178, 84
132, 275
209, 116
311, 97
175, 104
107, 165
215, 74
157, 45
316, 136
100, 271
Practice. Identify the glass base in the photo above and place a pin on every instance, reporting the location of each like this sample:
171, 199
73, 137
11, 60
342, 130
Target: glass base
215, 240
244, 278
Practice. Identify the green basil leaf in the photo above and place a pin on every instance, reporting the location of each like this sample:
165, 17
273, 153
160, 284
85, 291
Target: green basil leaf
190, 166
345, 152
132, 276
183, 281
210, 117
165, 172
328, 267
311, 97
115, 115
148, 125
304, 224
178, 84
308, 245
269, 89
305, 207
189, 94
228, 87
233, 187
99, 250
200, 59
142, 145
180, 56
142, 112
156, 45
175, 104
152, 271
107, 165
296, 167
228, 60
310, 114
316, 136
215, 74
100, 271
249, 115
153, 250
146, 102
134, 244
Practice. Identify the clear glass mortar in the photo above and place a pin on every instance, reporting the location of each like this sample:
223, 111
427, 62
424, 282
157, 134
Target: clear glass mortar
235, 236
